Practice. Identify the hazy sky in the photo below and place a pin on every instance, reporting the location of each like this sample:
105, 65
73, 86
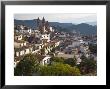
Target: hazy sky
63, 17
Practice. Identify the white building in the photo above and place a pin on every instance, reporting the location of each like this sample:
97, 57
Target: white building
45, 37
18, 44
39, 46
29, 30
51, 29
61, 54
19, 37
24, 29
84, 49
22, 51
15, 63
78, 60
57, 43
74, 44
45, 60
37, 34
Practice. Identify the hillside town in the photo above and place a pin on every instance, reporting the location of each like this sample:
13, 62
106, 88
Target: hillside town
46, 42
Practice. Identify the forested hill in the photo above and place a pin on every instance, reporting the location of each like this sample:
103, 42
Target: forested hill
83, 28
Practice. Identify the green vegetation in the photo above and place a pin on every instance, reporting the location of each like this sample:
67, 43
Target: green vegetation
25, 38
93, 48
26, 66
57, 59
71, 61
54, 49
87, 66
59, 69
16, 33
29, 66
42, 51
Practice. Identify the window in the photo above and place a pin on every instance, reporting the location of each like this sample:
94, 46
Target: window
44, 62
25, 50
48, 60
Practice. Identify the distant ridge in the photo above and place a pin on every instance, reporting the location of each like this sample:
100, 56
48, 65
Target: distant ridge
84, 28
92, 23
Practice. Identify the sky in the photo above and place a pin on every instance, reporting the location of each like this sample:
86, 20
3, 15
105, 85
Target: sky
60, 17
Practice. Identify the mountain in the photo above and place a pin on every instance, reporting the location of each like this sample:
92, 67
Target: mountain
92, 23
86, 28
29, 23
83, 28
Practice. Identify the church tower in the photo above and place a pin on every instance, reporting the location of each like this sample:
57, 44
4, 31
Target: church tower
43, 21
38, 22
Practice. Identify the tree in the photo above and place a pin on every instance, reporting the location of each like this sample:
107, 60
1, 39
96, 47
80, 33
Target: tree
42, 51
59, 69
25, 38
93, 48
57, 59
26, 66
87, 66
83, 57
71, 61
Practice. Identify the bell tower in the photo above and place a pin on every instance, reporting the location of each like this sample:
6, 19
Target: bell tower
43, 21
38, 22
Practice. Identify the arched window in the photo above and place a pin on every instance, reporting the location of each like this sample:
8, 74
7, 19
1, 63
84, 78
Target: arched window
44, 62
